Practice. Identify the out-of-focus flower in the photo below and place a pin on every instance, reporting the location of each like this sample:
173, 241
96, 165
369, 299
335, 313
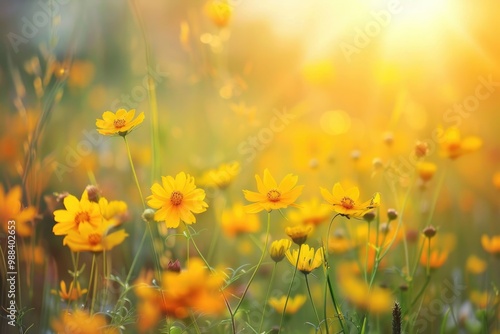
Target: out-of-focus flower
184, 35
94, 239
81, 322
11, 210
482, 300
80, 74
236, 221
496, 180
119, 123
219, 12
270, 195
298, 233
491, 245
177, 199
339, 244
475, 265
311, 212
421, 149
375, 300
426, 170
436, 259
308, 260
279, 248
293, 305
453, 146
72, 294
222, 176
344, 201
193, 289
76, 212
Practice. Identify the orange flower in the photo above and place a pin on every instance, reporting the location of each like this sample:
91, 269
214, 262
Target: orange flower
120, 123
71, 294
236, 221
11, 210
345, 203
219, 11
177, 199
475, 265
82, 322
492, 245
270, 195
426, 170
76, 212
436, 259
453, 146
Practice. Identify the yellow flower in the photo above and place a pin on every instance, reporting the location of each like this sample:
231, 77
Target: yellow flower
82, 322
76, 212
482, 300
11, 210
339, 244
293, 305
72, 293
426, 170
219, 11
298, 233
436, 259
308, 260
279, 248
375, 300
492, 245
453, 146
222, 176
236, 221
114, 211
272, 196
344, 201
94, 239
310, 213
475, 265
177, 199
120, 123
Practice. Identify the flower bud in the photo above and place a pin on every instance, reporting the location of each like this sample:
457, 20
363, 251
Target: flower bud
148, 215
93, 192
174, 266
430, 231
421, 149
392, 214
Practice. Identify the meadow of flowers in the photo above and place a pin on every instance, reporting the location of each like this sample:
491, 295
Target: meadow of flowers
232, 166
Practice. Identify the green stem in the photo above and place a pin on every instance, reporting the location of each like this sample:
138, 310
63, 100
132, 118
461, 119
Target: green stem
94, 285
136, 257
289, 289
312, 302
267, 297
339, 315
190, 238
258, 264
133, 172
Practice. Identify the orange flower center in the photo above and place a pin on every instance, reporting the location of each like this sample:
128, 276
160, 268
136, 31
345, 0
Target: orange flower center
82, 217
273, 195
176, 198
94, 239
347, 203
119, 123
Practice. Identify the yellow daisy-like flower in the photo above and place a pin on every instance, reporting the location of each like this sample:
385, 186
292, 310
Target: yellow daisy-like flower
177, 199
475, 265
120, 123
279, 248
491, 245
222, 176
308, 259
311, 212
345, 203
94, 239
11, 209
436, 259
76, 212
426, 170
115, 211
298, 233
270, 195
294, 303
236, 221
453, 146
71, 294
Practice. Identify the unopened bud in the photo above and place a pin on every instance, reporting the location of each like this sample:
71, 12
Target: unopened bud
93, 193
430, 231
392, 214
421, 149
369, 216
174, 266
148, 215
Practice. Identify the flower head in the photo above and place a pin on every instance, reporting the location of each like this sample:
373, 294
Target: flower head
11, 209
308, 260
298, 233
475, 265
119, 123
426, 170
436, 259
222, 176
72, 294
82, 322
310, 213
294, 303
270, 195
453, 146
219, 11
76, 212
94, 239
236, 221
279, 248
177, 199
345, 203
491, 245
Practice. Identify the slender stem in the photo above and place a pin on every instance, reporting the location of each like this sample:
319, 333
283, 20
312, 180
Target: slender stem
289, 289
258, 264
366, 254
339, 315
136, 257
195, 323
133, 172
190, 238
267, 297
94, 285
312, 302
